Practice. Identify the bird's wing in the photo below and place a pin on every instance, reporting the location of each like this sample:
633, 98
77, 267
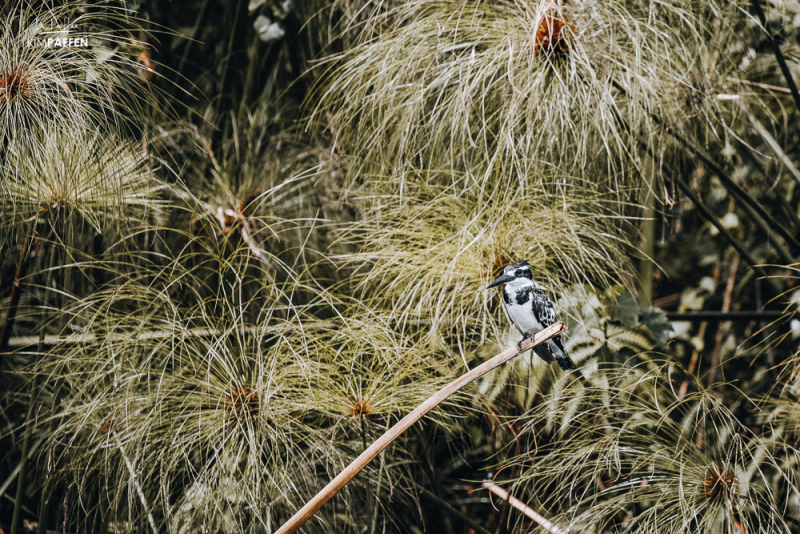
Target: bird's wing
543, 309
557, 342
545, 313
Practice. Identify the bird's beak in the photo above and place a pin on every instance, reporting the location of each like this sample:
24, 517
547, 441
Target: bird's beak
506, 278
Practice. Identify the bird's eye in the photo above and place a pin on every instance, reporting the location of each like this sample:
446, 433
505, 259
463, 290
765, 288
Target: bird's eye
518, 273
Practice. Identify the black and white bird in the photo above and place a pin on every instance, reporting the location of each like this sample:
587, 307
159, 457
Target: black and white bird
531, 311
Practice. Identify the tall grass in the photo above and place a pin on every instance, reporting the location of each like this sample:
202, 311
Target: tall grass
237, 306
500, 90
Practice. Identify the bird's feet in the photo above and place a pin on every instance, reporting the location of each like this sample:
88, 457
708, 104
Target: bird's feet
519, 344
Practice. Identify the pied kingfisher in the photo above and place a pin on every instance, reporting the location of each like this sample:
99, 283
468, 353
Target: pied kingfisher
531, 311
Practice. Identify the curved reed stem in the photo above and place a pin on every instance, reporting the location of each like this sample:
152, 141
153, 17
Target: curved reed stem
522, 507
311, 507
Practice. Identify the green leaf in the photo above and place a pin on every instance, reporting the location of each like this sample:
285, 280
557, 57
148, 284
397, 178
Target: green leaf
656, 320
628, 310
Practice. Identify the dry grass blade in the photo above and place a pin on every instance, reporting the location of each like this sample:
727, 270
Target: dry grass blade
82, 87
628, 455
108, 181
499, 88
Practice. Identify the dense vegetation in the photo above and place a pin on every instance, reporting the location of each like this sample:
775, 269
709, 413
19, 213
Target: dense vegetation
241, 240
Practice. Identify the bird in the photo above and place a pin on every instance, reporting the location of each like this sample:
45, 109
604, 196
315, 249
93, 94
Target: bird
530, 310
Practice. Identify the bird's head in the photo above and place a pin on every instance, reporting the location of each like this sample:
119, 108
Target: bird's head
515, 274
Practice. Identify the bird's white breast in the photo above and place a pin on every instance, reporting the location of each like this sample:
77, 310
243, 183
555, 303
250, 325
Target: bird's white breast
521, 314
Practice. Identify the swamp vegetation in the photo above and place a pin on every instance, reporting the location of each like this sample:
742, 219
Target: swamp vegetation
241, 240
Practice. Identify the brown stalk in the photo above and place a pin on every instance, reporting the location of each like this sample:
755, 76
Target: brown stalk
16, 289
701, 333
311, 507
726, 305
712, 375
765, 86
522, 507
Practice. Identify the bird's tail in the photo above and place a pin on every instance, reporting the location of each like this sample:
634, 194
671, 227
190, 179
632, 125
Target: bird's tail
544, 352
561, 356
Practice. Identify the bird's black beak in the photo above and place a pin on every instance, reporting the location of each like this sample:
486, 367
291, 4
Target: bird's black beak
506, 278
